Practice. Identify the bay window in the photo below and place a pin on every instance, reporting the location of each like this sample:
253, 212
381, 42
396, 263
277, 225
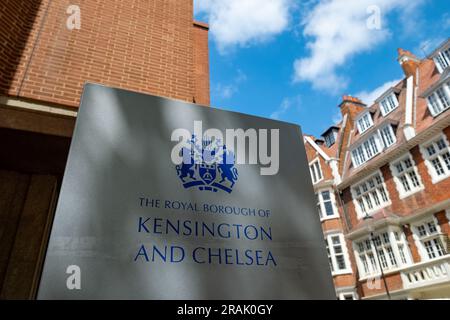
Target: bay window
389, 246
370, 195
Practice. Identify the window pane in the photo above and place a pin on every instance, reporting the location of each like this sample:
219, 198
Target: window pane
382, 258
437, 166
340, 262
422, 231
319, 172
434, 105
329, 208
414, 179
442, 96
446, 157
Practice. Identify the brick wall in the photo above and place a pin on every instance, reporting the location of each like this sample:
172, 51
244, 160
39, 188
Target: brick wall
16, 21
140, 45
312, 154
201, 65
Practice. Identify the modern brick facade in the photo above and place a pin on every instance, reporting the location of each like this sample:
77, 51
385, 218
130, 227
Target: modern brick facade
146, 46
150, 46
387, 169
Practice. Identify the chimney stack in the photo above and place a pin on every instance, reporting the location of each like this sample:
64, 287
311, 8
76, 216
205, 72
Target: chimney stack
408, 61
351, 106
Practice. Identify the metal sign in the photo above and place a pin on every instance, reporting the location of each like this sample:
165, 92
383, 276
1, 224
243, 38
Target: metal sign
163, 199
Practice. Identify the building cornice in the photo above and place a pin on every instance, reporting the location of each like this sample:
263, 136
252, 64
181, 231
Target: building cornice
30, 105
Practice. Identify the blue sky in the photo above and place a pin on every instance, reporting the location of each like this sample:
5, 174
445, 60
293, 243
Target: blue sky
293, 60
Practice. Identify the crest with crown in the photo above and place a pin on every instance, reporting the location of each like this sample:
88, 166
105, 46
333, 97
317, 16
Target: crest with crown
207, 165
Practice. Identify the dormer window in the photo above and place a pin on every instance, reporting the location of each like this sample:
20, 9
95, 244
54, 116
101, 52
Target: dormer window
388, 104
330, 139
376, 142
330, 136
442, 59
439, 100
364, 122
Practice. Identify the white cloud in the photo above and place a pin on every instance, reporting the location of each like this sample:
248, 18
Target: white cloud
226, 91
369, 97
336, 31
243, 22
286, 105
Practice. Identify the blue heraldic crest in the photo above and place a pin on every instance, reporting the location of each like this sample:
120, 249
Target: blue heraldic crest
208, 166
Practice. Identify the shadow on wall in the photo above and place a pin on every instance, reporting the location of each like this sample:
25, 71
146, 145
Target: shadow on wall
17, 20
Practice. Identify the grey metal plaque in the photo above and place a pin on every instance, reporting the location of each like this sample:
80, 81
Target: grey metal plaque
131, 224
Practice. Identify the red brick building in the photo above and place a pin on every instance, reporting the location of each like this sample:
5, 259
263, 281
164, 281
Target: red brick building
151, 46
382, 179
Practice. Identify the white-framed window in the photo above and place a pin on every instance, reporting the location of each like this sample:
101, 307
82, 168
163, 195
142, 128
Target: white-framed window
387, 135
366, 150
436, 153
439, 100
316, 171
427, 235
326, 204
337, 254
381, 139
406, 176
364, 122
442, 60
330, 138
387, 250
388, 104
370, 195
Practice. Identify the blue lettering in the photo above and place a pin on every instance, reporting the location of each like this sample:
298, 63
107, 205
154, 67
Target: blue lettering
228, 255
142, 225
270, 258
237, 258
194, 254
268, 234
238, 235
248, 234
163, 257
172, 254
156, 225
249, 257
214, 255
175, 229
141, 252
258, 257
187, 227
219, 228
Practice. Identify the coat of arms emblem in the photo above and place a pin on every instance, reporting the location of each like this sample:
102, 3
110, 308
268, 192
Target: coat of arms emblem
208, 166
